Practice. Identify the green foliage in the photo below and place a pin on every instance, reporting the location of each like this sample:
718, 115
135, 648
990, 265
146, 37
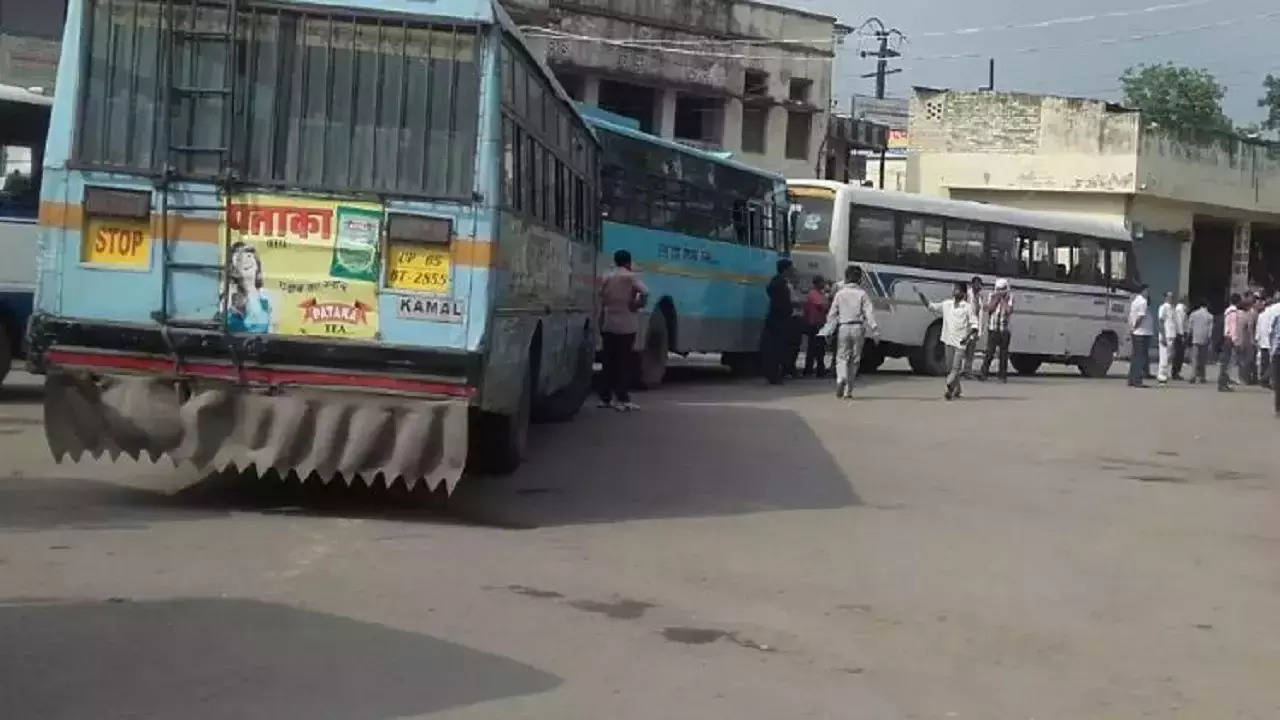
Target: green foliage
1271, 102
1175, 97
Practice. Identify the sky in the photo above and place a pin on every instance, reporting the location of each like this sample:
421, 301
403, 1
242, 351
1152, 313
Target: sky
1075, 57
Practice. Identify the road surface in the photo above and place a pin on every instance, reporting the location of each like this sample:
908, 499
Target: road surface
1052, 548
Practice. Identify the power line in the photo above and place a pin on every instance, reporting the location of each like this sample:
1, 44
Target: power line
1138, 37
1070, 20
657, 43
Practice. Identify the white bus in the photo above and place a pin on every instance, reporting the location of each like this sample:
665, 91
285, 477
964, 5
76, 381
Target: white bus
1072, 275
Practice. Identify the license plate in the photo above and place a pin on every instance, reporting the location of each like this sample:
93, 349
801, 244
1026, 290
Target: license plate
418, 268
116, 242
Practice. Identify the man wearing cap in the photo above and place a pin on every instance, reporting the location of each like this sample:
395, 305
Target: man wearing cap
998, 310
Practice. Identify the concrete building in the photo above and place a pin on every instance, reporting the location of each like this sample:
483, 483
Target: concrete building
1204, 211
734, 75
30, 34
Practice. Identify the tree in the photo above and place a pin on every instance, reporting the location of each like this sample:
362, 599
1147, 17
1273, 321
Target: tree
1176, 97
1271, 102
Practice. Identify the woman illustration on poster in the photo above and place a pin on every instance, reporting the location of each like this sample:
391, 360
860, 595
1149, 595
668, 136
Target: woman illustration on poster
248, 307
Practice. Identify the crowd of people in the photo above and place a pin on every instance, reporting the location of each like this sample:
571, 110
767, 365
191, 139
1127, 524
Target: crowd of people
1248, 340
845, 316
840, 319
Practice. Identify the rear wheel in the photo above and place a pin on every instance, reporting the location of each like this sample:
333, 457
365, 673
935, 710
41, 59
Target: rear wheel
653, 356
563, 404
6, 352
739, 363
931, 358
499, 442
1098, 363
872, 357
1025, 364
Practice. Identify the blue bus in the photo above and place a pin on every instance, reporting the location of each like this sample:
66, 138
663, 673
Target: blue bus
705, 231
24, 121
339, 238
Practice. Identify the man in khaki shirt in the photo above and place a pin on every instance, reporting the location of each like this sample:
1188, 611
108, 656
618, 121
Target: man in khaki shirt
622, 295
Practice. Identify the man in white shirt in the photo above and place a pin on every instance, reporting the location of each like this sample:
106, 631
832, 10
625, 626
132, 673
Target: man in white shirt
850, 319
976, 302
957, 332
1141, 328
1180, 341
1263, 337
1168, 331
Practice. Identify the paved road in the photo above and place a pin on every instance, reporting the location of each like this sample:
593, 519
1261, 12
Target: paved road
1053, 548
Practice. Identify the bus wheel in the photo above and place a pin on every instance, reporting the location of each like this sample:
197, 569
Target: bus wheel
740, 364
931, 358
653, 356
6, 352
1098, 363
564, 403
499, 442
1025, 364
872, 358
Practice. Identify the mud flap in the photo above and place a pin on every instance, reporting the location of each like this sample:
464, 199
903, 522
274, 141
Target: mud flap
220, 426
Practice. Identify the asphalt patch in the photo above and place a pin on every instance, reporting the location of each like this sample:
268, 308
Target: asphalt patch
618, 610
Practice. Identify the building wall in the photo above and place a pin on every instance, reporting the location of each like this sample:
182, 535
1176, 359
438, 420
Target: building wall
1221, 172
701, 26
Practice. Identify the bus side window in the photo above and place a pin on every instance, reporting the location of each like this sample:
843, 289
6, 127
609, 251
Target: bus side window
1003, 253
1042, 256
1089, 263
1118, 267
871, 235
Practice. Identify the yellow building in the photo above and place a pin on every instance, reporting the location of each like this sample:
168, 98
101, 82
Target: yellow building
1204, 208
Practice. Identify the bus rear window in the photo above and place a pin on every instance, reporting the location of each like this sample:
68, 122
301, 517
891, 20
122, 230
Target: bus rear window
813, 224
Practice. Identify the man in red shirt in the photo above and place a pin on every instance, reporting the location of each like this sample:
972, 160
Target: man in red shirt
816, 304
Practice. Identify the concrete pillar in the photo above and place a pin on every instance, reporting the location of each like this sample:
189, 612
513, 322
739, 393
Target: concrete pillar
1184, 264
665, 114
1240, 257
731, 139
591, 90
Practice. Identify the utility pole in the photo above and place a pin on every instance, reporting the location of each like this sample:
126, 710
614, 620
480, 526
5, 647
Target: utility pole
883, 53
991, 75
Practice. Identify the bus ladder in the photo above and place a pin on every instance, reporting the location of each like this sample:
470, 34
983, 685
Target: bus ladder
190, 37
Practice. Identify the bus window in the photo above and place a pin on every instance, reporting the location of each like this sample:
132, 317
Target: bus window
1118, 267
871, 235
1003, 255
1064, 260
1043, 257
813, 224
1090, 265
922, 242
965, 242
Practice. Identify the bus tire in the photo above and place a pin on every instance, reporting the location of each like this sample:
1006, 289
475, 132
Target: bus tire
740, 364
930, 358
499, 442
872, 357
1025, 364
6, 352
1098, 363
563, 404
654, 352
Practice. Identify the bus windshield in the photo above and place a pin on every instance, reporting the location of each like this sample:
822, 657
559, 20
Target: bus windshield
813, 222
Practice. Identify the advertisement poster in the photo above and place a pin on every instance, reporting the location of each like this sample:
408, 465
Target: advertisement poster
302, 266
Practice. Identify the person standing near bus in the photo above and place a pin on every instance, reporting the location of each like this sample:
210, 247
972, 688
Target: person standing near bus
958, 332
852, 317
1230, 339
777, 324
1273, 339
977, 309
1181, 340
816, 306
1263, 337
1167, 331
1141, 329
1248, 322
1199, 334
622, 295
999, 310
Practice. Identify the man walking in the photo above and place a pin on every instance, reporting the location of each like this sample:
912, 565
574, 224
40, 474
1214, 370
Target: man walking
777, 324
1167, 331
1200, 333
1273, 337
999, 310
1230, 339
976, 309
1181, 340
816, 305
1263, 337
1248, 322
853, 316
1141, 328
622, 295
957, 332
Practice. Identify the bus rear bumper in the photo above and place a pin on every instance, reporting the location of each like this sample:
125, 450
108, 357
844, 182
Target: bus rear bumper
217, 425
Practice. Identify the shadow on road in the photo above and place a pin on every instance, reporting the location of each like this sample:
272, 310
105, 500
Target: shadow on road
227, 658
38, 503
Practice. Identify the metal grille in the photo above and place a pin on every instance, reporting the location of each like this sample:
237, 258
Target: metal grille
326, 101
